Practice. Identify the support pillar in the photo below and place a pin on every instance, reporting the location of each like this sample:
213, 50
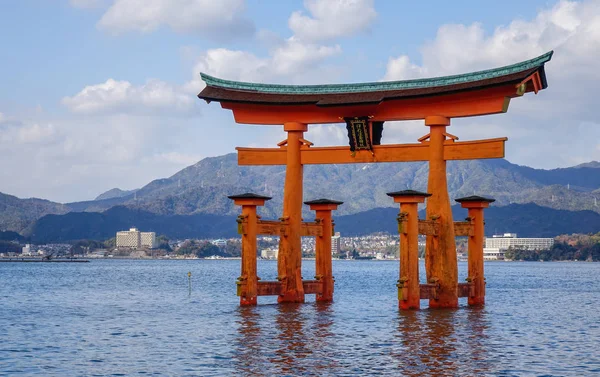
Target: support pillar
475, 205
440, 256
324, 270
247, 222
289, 261
408, 227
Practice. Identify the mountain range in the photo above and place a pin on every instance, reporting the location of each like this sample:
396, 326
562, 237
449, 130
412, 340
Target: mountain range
527, 220
202, 189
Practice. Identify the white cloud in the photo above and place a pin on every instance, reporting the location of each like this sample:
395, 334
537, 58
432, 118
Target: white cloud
555, 117
123, 97
297, 57
571, 28
16, 132
290, 62
222, 19
36, 133
77, 158
331, 19
401, 68
327, 134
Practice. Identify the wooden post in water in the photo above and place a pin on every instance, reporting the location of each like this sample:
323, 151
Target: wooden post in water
289, 260
324, 270
408, 227
476, 204
440, 255
247, 226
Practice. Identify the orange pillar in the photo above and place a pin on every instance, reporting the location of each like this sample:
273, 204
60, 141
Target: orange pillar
476, 204
409, 296
289, 261
324, 271
440, 256
248, 281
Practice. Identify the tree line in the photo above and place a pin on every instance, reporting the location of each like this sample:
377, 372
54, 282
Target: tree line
574, 247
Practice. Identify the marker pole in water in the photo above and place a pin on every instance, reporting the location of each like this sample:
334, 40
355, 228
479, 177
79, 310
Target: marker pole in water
190, 282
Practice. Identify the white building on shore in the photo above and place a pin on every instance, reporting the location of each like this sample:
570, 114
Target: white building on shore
508, 240
336, 244
134, 239
271, 253
497, 245
493, 253
26, 250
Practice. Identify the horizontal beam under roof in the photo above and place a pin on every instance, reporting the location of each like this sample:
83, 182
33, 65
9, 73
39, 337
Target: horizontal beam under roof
459, 150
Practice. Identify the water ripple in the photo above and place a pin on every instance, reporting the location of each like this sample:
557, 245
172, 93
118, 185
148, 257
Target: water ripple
121, 318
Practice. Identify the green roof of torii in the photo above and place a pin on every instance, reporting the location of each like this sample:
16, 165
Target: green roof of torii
379, 86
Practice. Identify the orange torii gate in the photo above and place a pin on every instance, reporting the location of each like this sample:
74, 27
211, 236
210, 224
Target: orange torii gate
365, 107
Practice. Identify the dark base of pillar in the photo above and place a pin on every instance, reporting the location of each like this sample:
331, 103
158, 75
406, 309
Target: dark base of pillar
248, 301
325, 294
442, 302
476, 301
406, 305
324, 299
291, 296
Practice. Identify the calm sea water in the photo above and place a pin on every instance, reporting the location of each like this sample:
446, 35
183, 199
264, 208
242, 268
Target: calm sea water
117, 317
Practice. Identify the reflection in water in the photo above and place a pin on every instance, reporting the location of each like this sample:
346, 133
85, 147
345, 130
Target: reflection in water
322, 338
248, 352
442, 342
292, 349
296, 341
477, 336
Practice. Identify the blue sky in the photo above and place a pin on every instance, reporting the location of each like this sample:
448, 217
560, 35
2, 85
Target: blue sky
98, 94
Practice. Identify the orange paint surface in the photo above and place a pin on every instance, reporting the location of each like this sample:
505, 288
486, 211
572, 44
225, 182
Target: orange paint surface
408, 284
453, 150
440, 255
471, 103
289, 261
475, 245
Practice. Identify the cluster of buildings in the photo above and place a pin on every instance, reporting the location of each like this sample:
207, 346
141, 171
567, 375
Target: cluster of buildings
375, 246
30, 250
134, 239
308, 246
384, 246
497, 245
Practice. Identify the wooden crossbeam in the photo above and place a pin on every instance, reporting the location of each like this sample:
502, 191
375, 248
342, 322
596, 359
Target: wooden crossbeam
428, 291
312, 229
274, 288
271, 228
453, 150
431, 228
463, 228
279, 228
465, 290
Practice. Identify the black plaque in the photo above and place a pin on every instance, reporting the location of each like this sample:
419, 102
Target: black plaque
358, 133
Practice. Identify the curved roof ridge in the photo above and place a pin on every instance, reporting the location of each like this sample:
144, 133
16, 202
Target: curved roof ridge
380, 85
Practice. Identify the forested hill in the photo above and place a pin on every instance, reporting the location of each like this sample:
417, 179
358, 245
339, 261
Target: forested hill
528, 220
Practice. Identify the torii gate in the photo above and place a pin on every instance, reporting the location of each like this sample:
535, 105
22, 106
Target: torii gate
435, 100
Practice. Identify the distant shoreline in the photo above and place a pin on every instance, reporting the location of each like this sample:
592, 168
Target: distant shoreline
89, 259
